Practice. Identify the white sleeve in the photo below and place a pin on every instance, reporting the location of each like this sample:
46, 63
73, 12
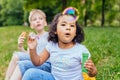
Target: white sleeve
49, 46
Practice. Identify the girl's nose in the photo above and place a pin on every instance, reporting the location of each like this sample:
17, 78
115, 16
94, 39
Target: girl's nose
68, 27
38, 20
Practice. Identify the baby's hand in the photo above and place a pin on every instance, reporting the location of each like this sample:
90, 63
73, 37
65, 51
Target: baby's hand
32, 43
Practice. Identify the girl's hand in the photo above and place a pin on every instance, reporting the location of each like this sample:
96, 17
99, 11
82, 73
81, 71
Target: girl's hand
32, 43
21, 40
89, 65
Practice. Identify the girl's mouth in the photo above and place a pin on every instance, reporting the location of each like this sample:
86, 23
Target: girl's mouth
67, 34
38, 25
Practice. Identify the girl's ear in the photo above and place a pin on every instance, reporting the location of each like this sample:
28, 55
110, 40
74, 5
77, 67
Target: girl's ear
75, 34
55, 32
31, 26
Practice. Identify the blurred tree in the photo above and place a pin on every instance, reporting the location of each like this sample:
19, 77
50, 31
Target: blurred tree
11, 12
112, 12
87, 10
2, 11
92, 12
107, 14
103, 8
0, 14
49, 7
52, 7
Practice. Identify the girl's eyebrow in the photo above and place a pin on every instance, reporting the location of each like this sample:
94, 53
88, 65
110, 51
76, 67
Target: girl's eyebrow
64, 22
68, 22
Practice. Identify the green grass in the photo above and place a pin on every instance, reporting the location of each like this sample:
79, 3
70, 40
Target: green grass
8, 44
103, 43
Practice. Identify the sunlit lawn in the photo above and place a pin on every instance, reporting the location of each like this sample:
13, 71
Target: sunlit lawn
103, 43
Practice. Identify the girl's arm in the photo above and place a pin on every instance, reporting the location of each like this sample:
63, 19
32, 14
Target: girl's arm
38, 59
21, 42
92, 70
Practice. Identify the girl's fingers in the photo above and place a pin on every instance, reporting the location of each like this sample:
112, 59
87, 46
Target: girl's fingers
21, 40
89, 60
30, 39
23, 34
90, 68
89, 65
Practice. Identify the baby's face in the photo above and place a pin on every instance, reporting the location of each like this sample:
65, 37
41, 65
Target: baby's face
37, 21
66, 29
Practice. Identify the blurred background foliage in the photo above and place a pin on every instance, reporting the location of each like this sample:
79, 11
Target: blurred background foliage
103, 43
92, 12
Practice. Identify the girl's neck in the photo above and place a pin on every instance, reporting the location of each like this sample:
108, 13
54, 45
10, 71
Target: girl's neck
41, 32
65, 45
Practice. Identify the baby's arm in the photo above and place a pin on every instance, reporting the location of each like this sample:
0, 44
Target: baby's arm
90, 66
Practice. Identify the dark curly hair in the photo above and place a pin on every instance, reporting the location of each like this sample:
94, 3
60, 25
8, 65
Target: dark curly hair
53, 27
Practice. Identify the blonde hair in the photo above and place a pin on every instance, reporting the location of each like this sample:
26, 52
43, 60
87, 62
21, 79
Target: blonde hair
33, 11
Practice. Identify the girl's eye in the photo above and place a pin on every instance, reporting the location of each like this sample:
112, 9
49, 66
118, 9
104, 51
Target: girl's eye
72, 25
40, 18
33, 19
63, 24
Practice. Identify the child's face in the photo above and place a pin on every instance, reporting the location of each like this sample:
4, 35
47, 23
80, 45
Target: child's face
66, 29
38, 22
